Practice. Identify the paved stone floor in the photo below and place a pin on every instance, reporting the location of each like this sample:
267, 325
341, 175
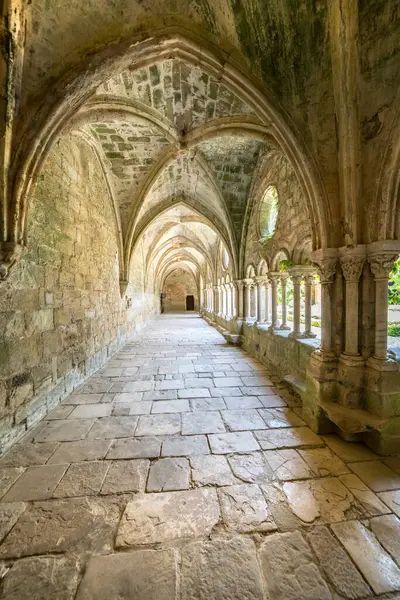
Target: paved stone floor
183, 470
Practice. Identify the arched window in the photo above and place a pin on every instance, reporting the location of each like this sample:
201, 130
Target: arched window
268, 212
225, 258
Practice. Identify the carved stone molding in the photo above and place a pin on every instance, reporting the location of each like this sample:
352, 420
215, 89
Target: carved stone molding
10, 253
326, 260
382, 264
249, 282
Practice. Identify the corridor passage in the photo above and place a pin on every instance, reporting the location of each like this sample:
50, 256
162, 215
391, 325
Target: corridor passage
183, 471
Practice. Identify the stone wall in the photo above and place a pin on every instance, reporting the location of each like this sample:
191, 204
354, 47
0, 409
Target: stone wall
177, 286
61, 312
293, 226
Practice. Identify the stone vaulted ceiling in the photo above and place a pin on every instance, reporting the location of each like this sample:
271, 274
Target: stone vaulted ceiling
163, 135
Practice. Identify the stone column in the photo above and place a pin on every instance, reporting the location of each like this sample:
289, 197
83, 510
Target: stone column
283, 278
262, 314
249, 284
309, 282
381, 260
352, 261
239, 286
216, 300
296, 277
326, 260
273, 277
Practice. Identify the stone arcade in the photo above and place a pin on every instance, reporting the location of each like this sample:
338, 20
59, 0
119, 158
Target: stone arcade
234, 159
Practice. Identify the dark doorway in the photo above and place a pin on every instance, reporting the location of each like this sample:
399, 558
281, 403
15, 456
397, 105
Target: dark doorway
189, 302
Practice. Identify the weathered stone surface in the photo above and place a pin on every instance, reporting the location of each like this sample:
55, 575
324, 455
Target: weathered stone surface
170, 406
113, 427
28, 454
91, 411
280, 417
225, 443
392, 500
144, 447
289, 571
326, 498
221, 569
9, 515
61, 412
375, 564
208, 404
242, 420
65, 430
37, 578
156, 518
70, 452
272, 401
142, 575
287, 438
376, 475
287, 465
55, 526
202, 422
8, 476
323, 462
126, 476
251, 468
369, 501
82, 479
150, 425
387, 531
37, 483
244, 509
243, 402
211, 470
199, 392
348, 452
169, 474
185, 445
338, 567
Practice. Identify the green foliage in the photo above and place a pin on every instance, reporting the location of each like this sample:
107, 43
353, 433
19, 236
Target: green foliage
394, 329
284, 265
394, 284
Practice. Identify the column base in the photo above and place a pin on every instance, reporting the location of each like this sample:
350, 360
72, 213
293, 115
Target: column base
285, 328
296, 336
309, 334
382, 364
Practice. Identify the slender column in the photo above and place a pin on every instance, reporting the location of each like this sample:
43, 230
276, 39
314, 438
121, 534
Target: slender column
239, 299
308, 282
284, 277
254, 292
381, 264
296, 277
261, 282
326, 260
273, 277
228, 295
249, 284
266, 299
352, 261
216, 300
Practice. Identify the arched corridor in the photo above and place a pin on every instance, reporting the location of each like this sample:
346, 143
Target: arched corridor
199, 300
192, 474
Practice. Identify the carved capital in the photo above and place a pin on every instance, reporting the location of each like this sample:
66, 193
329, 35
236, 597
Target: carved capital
274, 278
261, 280
309, 279
381, 264
239, 284
352, 267
248, 282
10, 254
327, 269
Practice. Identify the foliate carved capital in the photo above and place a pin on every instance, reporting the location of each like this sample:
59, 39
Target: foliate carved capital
382, 264
10, 253
239, 284
309, 279
352, 267
274, 278
327, 269
248, 282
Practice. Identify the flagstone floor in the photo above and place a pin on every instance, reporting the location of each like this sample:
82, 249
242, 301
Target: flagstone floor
183, 471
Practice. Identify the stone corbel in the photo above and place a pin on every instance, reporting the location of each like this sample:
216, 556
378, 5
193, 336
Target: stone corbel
123, 285
10, 254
